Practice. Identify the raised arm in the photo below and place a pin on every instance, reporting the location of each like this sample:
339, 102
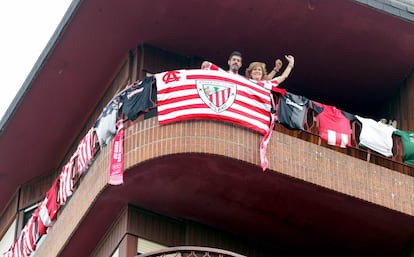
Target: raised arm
210, 66
288, 69
276, 69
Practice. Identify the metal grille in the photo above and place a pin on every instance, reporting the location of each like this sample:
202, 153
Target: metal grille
191, 251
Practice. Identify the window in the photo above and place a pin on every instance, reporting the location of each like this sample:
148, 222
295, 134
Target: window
145, 246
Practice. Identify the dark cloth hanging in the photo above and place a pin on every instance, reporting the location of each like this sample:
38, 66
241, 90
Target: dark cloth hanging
138, 98
292, 110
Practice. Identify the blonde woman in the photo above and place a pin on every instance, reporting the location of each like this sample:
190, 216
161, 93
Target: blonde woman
257, 73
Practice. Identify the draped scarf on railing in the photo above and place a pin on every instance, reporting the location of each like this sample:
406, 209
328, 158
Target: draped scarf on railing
116, 169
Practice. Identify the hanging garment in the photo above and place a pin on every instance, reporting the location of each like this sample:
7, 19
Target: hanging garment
25, 244
138, 98
334, 124
46, 212
292, 110
66, 180
116, 168
407, 138
85, 151
105, 125
376, 136
29, 236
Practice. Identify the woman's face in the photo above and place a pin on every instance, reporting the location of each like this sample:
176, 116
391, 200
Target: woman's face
257, 73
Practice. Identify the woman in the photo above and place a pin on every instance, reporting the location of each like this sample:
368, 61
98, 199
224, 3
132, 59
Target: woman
257, 73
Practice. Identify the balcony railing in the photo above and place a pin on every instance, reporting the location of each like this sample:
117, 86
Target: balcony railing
311, 131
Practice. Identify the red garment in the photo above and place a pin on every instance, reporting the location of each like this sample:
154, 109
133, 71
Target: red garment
116, 168
66, 180
25, 244
47, 210
29, 237
334, 126
85, 151
271, 85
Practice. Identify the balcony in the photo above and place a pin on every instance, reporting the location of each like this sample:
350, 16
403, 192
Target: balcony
191, 169
214, 168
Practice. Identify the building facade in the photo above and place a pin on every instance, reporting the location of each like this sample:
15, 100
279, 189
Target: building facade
197, 185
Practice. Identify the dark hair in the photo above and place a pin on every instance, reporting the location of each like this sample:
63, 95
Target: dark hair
235, 53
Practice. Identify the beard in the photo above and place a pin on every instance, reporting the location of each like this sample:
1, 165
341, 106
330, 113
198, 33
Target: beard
234, 68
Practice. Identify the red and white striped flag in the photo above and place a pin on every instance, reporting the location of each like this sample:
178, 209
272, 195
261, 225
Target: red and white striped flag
25, 244
215, 95
30, 236
17, 248
66, 180
85, 151
46, 212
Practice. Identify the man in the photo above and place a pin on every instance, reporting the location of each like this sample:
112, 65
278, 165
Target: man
235, 63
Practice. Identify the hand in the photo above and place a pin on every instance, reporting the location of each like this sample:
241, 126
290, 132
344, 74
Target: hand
278, 65
205, 65
290, 59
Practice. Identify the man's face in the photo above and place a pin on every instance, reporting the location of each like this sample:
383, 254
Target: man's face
235, 63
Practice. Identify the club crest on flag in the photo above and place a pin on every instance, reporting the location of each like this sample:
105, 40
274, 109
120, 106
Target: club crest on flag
217, 95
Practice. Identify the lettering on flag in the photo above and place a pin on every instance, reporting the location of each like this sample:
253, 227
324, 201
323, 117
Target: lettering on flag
171, 76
